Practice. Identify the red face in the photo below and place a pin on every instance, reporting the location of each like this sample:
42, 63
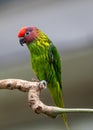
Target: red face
27, 35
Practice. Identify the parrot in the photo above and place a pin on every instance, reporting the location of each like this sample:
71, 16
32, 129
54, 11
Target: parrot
46, 62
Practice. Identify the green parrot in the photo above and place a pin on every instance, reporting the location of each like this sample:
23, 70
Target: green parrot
45, 61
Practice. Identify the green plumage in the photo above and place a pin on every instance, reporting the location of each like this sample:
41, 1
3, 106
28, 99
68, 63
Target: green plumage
45, 61
46, 64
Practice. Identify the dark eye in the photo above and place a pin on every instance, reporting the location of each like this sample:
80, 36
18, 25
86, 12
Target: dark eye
27, 33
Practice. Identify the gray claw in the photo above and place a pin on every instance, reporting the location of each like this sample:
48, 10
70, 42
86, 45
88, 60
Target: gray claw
42, 84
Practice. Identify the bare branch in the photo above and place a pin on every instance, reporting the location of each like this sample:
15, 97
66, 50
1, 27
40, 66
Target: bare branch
22, 85
33, 89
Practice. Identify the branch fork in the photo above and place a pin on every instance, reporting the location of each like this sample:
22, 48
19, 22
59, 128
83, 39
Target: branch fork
34, 102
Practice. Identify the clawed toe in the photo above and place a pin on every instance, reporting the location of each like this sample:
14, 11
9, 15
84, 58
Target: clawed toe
42, 84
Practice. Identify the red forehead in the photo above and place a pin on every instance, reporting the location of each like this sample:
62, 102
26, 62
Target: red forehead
22, 32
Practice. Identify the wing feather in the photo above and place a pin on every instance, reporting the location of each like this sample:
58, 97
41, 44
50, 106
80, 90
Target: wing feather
54, 58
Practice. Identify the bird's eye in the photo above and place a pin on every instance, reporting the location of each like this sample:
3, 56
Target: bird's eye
27, 33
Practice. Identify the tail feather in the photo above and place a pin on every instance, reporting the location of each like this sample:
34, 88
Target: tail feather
65, 117
57, 96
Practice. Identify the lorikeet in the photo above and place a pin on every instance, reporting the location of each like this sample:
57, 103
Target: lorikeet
45, 61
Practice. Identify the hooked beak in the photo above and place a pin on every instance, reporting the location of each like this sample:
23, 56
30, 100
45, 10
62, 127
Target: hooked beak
22, 41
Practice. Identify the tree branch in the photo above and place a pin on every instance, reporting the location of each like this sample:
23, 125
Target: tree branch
33, 89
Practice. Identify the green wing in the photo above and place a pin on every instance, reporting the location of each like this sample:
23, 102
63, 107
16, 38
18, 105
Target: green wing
56, 93
56, 62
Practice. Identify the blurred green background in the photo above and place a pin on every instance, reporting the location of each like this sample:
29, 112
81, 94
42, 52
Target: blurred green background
69, 24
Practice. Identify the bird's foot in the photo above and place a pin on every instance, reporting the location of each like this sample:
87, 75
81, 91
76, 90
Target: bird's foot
43, 84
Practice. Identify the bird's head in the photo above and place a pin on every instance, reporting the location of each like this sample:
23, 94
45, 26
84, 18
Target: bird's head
27, 35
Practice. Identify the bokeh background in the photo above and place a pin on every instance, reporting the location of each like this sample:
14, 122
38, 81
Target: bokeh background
69, 24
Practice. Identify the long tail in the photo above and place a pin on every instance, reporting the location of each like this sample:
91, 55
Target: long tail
57, 96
